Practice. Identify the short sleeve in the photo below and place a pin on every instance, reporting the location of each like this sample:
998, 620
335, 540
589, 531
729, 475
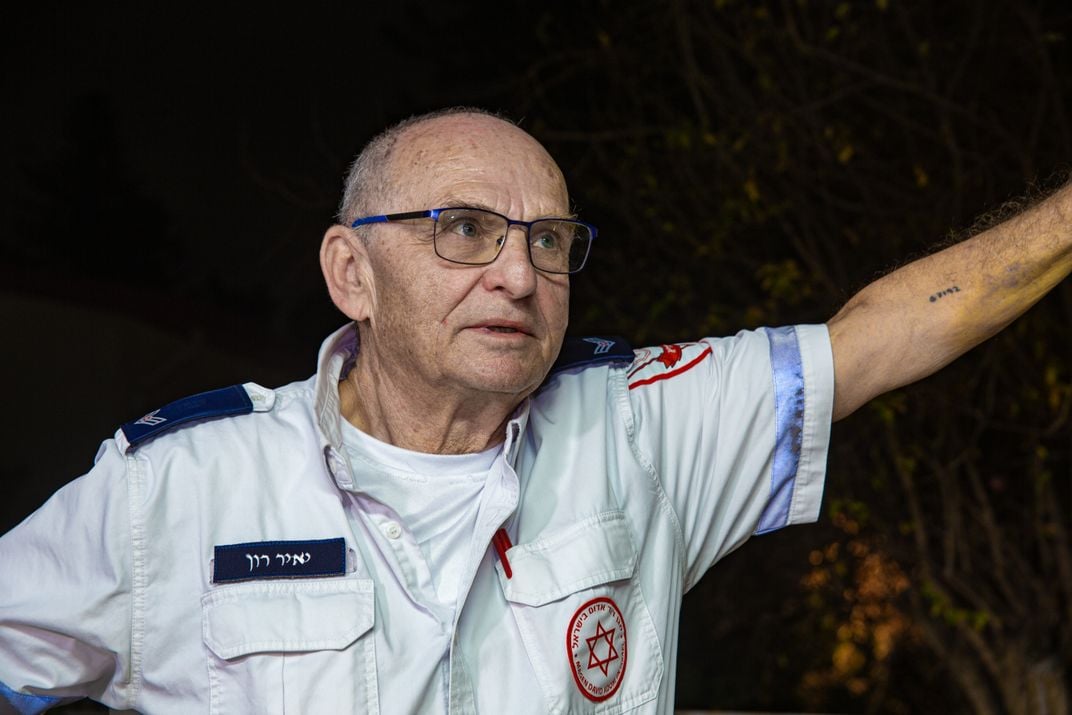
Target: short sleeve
65, 584
737, 431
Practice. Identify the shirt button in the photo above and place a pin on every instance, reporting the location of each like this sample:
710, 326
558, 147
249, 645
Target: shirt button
392, 530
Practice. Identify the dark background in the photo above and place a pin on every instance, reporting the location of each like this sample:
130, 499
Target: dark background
168, 176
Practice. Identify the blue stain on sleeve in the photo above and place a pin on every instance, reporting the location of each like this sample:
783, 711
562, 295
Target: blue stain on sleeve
788, 376
27, 704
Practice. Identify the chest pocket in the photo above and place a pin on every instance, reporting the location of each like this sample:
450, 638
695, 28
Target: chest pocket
291, 646
582, 617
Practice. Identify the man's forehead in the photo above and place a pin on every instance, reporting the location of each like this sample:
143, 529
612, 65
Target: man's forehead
449, 157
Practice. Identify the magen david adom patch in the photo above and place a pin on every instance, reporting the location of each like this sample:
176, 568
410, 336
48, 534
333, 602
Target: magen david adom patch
596, 646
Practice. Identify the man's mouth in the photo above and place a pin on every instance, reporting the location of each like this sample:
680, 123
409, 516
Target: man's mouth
508, 327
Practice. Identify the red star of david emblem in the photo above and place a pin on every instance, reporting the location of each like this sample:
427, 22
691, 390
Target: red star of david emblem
670, 355
602, 634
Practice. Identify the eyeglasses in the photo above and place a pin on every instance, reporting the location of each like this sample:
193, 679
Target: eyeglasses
475, 237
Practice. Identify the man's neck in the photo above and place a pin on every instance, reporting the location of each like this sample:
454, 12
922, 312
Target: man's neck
384, 405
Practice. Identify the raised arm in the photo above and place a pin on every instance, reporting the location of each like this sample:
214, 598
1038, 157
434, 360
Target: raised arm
921, 317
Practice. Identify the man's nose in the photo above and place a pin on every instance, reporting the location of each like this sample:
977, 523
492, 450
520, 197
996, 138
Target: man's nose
512, 269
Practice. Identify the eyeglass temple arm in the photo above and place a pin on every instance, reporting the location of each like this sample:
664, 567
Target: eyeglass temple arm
384, 218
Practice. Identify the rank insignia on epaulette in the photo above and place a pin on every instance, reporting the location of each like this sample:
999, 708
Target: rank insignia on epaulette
580, 352
227, 401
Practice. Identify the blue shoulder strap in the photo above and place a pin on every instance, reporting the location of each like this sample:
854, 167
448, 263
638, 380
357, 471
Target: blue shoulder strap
226, 401
579, 352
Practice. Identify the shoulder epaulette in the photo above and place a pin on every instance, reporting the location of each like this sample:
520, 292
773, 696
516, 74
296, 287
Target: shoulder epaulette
233, 400
579, 352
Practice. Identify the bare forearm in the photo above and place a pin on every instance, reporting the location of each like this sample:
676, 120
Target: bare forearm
919, 318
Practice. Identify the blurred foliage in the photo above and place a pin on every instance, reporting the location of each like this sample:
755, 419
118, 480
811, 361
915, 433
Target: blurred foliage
856, 587
756, 163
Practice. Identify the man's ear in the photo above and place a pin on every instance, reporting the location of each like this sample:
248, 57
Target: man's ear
344, 262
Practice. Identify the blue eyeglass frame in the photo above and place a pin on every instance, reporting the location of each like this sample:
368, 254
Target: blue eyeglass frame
434, 214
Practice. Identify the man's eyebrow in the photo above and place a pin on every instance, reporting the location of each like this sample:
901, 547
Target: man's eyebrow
454, 203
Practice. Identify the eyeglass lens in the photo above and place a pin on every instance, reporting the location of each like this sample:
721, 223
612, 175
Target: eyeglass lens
475, 236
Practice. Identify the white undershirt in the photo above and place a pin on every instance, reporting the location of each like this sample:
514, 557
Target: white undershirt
436, 497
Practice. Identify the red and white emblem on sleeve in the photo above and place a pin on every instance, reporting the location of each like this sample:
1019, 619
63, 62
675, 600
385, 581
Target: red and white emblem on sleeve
672, 360
596, 646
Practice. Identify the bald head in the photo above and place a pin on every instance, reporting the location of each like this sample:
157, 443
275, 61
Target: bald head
424, 145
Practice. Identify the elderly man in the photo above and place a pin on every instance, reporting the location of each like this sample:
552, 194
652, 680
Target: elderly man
433, 523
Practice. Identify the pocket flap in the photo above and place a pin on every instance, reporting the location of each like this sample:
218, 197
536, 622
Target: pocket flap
286, 616
593, 551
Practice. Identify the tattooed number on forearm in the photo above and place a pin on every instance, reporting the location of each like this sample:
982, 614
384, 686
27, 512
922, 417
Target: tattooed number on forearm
943, 293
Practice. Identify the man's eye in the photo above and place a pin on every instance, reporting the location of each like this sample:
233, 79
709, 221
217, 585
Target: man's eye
550, 240
467, 228
547, 241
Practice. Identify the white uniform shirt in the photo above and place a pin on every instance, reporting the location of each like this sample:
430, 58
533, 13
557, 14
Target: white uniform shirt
430, 504
435, 499
619, 485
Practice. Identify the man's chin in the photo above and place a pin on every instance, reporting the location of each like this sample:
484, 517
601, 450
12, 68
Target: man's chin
503, 379
510, 367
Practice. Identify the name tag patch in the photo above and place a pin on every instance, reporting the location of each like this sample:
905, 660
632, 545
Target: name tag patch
279, 559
